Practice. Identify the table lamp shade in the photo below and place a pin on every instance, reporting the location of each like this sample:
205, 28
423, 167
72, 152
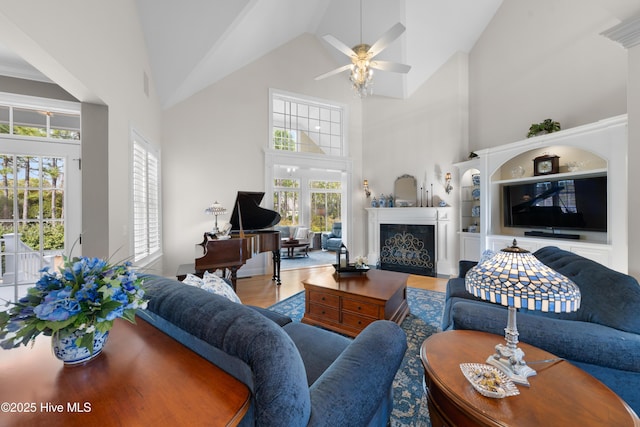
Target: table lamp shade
517, 279
215, 209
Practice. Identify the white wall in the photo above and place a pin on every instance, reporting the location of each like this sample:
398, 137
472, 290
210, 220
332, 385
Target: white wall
545, 59
213, 142
96, 52
420, 136
633, 101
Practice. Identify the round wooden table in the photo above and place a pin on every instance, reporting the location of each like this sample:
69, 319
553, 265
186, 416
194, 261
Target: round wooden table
290, 246
560, 394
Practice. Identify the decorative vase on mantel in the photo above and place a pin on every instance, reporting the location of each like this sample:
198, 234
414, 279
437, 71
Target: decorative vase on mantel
65, 348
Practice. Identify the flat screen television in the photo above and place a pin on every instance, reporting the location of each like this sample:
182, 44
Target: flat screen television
572, 204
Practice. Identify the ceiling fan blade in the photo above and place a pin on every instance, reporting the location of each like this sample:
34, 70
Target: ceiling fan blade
334, 72
390, 66
339, 45
392, 34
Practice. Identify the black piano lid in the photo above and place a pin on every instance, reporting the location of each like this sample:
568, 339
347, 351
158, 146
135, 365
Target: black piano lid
254, 217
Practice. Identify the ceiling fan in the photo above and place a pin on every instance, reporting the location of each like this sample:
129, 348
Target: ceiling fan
362, 55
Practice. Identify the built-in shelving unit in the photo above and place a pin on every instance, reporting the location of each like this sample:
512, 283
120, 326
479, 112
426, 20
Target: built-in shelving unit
554, 177
600, 148
470, 179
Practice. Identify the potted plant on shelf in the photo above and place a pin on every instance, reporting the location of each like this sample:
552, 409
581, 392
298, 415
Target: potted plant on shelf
547, 126
76, 306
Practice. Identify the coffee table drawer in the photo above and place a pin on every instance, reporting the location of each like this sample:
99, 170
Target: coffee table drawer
323, 298
355, 321
324, 312
362, 308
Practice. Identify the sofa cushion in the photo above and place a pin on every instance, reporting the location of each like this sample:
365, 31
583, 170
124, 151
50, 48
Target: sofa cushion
608, 297
318, 347
364, 372
285, 231
336, 230
281, 393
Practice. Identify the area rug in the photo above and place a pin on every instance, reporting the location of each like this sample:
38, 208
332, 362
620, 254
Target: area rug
409, 406
314, 258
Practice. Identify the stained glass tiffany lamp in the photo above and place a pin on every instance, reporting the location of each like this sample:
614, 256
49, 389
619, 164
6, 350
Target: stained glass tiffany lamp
515, 278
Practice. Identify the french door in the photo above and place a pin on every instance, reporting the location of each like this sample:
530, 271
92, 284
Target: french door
40, 210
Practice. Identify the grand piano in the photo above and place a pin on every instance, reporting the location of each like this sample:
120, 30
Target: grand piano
249, 236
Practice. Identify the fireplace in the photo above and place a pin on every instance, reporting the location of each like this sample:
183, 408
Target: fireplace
408, 248
441, 251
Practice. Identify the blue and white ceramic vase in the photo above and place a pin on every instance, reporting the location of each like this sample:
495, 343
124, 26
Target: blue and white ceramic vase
64, 346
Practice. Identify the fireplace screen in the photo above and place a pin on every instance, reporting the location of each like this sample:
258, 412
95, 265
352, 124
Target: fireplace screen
408, 248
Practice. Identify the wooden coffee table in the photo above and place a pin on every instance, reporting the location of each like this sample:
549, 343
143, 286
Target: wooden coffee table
560, 394
349, 302
142, 378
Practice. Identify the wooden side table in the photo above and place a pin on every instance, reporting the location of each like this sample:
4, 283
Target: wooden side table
560, 394
142, 378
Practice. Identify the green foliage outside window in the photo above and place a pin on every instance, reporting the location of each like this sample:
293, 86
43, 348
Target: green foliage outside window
53, 235
325, 207
283, 140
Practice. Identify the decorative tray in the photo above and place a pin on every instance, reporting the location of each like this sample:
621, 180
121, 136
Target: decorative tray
351, 268
489, 381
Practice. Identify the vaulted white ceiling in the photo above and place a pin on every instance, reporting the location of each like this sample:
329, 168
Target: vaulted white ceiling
193, 44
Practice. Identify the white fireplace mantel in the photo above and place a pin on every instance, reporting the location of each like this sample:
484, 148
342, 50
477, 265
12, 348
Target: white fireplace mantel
440, 217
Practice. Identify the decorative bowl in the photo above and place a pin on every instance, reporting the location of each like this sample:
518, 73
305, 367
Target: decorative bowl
489, 381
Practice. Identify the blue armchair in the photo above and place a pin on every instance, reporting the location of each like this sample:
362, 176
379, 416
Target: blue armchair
298, 375
331, 241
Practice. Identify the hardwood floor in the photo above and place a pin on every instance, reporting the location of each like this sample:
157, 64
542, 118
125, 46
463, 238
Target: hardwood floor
261, 291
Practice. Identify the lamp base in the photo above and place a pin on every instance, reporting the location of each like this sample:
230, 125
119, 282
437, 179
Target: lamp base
511, 363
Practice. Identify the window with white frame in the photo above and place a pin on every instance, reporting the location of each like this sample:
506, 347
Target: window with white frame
146, 200
286, 200
307, 126
326, 204
20, 116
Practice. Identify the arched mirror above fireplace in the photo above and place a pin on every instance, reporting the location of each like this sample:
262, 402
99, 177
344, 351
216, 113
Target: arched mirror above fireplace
405, 191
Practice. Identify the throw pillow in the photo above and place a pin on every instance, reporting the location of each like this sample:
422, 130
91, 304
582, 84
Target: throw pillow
301, 233
217, 285
193, 280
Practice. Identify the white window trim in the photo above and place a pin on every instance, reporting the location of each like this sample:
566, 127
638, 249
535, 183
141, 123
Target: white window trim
149, 148
311, 99
311, 161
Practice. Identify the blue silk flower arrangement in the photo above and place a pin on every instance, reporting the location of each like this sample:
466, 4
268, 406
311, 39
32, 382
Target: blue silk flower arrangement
86, 295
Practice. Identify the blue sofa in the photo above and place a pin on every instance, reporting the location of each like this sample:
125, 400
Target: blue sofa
299, 375
332, 240
602, 337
